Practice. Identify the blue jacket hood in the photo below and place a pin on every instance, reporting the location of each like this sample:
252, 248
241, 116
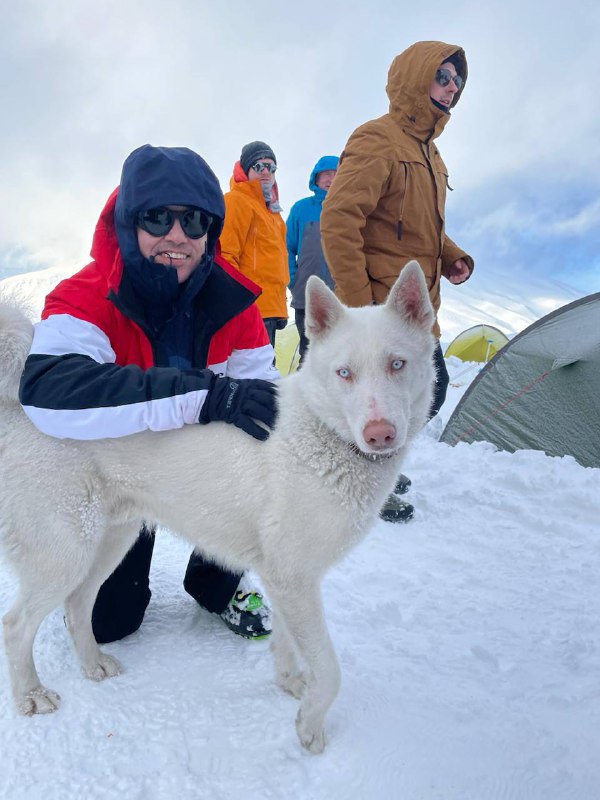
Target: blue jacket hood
324, 163
160, 176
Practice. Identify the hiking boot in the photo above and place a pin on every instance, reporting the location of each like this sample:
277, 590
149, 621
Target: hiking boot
403, 484
395, 510
247, 615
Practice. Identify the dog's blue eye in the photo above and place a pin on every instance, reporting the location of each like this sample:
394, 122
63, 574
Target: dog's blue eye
344, 373
397, 364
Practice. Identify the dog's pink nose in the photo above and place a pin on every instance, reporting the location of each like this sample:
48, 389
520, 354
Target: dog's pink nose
379, 433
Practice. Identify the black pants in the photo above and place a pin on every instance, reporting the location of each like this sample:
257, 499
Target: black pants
274, 324
300, 314
442, 380
124, 596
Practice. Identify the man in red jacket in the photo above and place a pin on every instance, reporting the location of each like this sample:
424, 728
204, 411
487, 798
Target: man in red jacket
157, 332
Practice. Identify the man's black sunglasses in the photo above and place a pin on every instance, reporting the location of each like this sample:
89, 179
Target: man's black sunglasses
159, 221
444, 76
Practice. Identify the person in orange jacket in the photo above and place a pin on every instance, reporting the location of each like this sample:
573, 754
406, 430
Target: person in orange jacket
253, 237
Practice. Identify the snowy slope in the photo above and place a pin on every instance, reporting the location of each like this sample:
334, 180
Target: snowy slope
468, 641
31, 288
505, 301
501, 300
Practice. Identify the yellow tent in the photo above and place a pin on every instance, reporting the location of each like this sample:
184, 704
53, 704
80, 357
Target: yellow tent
478, 343
287, 355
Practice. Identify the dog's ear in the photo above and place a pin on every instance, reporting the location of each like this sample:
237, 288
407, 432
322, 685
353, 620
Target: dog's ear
409, 296
323, 309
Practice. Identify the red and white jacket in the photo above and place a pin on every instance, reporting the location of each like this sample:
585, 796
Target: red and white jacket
91, 372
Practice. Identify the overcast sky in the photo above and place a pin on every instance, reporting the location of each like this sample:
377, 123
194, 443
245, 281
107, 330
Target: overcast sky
85, 83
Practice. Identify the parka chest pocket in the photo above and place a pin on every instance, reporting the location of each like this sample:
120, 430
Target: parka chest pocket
440, 171
405, 173
395, 201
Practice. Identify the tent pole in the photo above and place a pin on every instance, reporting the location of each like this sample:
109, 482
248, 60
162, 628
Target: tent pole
487, 352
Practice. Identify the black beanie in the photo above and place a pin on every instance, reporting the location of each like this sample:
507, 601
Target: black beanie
456, 60
253, 152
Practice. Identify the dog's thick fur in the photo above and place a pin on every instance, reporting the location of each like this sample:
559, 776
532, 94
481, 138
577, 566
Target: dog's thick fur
288, 508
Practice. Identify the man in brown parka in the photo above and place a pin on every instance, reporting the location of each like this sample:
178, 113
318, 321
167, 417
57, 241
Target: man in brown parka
387, 203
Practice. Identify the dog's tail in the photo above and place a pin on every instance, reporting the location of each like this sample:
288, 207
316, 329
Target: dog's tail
16, 332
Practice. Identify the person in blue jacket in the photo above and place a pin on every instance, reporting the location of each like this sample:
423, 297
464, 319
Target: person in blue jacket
303, 240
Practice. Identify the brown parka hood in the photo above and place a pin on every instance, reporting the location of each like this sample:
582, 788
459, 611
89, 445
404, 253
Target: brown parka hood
409, 78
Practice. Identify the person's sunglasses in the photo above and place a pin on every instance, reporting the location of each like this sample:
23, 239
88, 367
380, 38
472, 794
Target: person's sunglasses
444, 76
260, 165
159, 221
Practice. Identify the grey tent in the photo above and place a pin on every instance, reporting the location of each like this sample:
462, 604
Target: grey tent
541, 391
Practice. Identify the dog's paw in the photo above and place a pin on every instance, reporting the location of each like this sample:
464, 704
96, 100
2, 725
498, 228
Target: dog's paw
38, 701
105, 667
311, 737
293, 683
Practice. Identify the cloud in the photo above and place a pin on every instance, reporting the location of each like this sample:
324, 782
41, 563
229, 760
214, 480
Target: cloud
583, 221
91, 81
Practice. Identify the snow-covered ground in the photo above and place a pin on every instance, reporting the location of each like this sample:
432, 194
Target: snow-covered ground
469, 641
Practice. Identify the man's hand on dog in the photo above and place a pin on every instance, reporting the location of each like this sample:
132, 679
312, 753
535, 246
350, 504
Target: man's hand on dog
241, 402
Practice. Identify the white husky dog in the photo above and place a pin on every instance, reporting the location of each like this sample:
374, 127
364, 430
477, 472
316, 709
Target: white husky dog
70, 510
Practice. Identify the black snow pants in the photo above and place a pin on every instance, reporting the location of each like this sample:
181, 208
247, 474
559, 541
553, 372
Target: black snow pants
124, 596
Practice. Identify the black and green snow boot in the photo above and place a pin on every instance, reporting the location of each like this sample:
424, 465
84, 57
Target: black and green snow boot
396, 510
403, 484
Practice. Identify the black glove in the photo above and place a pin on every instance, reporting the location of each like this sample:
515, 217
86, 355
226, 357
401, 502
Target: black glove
241, 401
